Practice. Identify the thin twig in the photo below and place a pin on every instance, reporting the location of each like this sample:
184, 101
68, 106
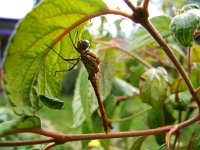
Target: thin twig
198, 89
130, 5
113, 45
189, 60
145, 4
86, 18
49, 146
132, 116
178, 132
119, 99
78, 137
38, 131
134, 56
26, 142
174, 129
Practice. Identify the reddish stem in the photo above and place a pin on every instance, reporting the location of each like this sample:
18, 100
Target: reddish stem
145, 4
63, 138
130, 5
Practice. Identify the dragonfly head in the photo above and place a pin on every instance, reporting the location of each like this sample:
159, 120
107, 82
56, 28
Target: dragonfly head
83, 44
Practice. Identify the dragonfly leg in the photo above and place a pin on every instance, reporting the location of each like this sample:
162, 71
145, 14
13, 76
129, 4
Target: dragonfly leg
72, 42
78, 59
60, 55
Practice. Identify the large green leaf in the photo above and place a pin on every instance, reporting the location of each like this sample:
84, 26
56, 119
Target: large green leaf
121, 87
141, 37
155, 119
29, 66
24, 122
195, 139
81, 101
184, 25
153, 87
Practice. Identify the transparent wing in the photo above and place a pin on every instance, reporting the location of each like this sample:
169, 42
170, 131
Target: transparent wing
112, 64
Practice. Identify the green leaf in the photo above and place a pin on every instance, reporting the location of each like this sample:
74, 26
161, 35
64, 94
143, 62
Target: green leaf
24, 122
195, 139
81, 101
110, 104
184, 25
138, 143
141, 37
29, 66
51, 102
121, 87
155, 119
153, 87
168, 112
184, 100
163, 147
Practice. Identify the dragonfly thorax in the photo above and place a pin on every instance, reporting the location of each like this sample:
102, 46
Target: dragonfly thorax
83, 45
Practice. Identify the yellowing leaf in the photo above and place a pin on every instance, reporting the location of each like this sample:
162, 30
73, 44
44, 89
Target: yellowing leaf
195, 53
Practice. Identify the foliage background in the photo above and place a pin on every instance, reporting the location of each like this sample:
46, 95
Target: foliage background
142, 45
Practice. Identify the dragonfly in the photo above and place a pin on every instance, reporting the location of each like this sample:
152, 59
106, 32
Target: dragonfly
91, 62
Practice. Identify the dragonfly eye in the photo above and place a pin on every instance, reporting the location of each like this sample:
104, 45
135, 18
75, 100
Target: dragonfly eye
84, 44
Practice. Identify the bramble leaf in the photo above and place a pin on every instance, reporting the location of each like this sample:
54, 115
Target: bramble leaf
81, 101
195, 138
121, 87
184, 25
155, 119
29, 65
153, 87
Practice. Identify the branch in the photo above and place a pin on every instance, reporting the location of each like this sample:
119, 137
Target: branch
63, 138
112, 44
136, 114
134, 56
169, 135
189, 60
120, 99
130, 5
88, 17
26, 142
145, 4
50, 145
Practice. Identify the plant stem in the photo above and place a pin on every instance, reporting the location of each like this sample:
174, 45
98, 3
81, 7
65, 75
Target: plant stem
136, 114
131, 6
145, 4
63, 138
189, 60
26, 142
